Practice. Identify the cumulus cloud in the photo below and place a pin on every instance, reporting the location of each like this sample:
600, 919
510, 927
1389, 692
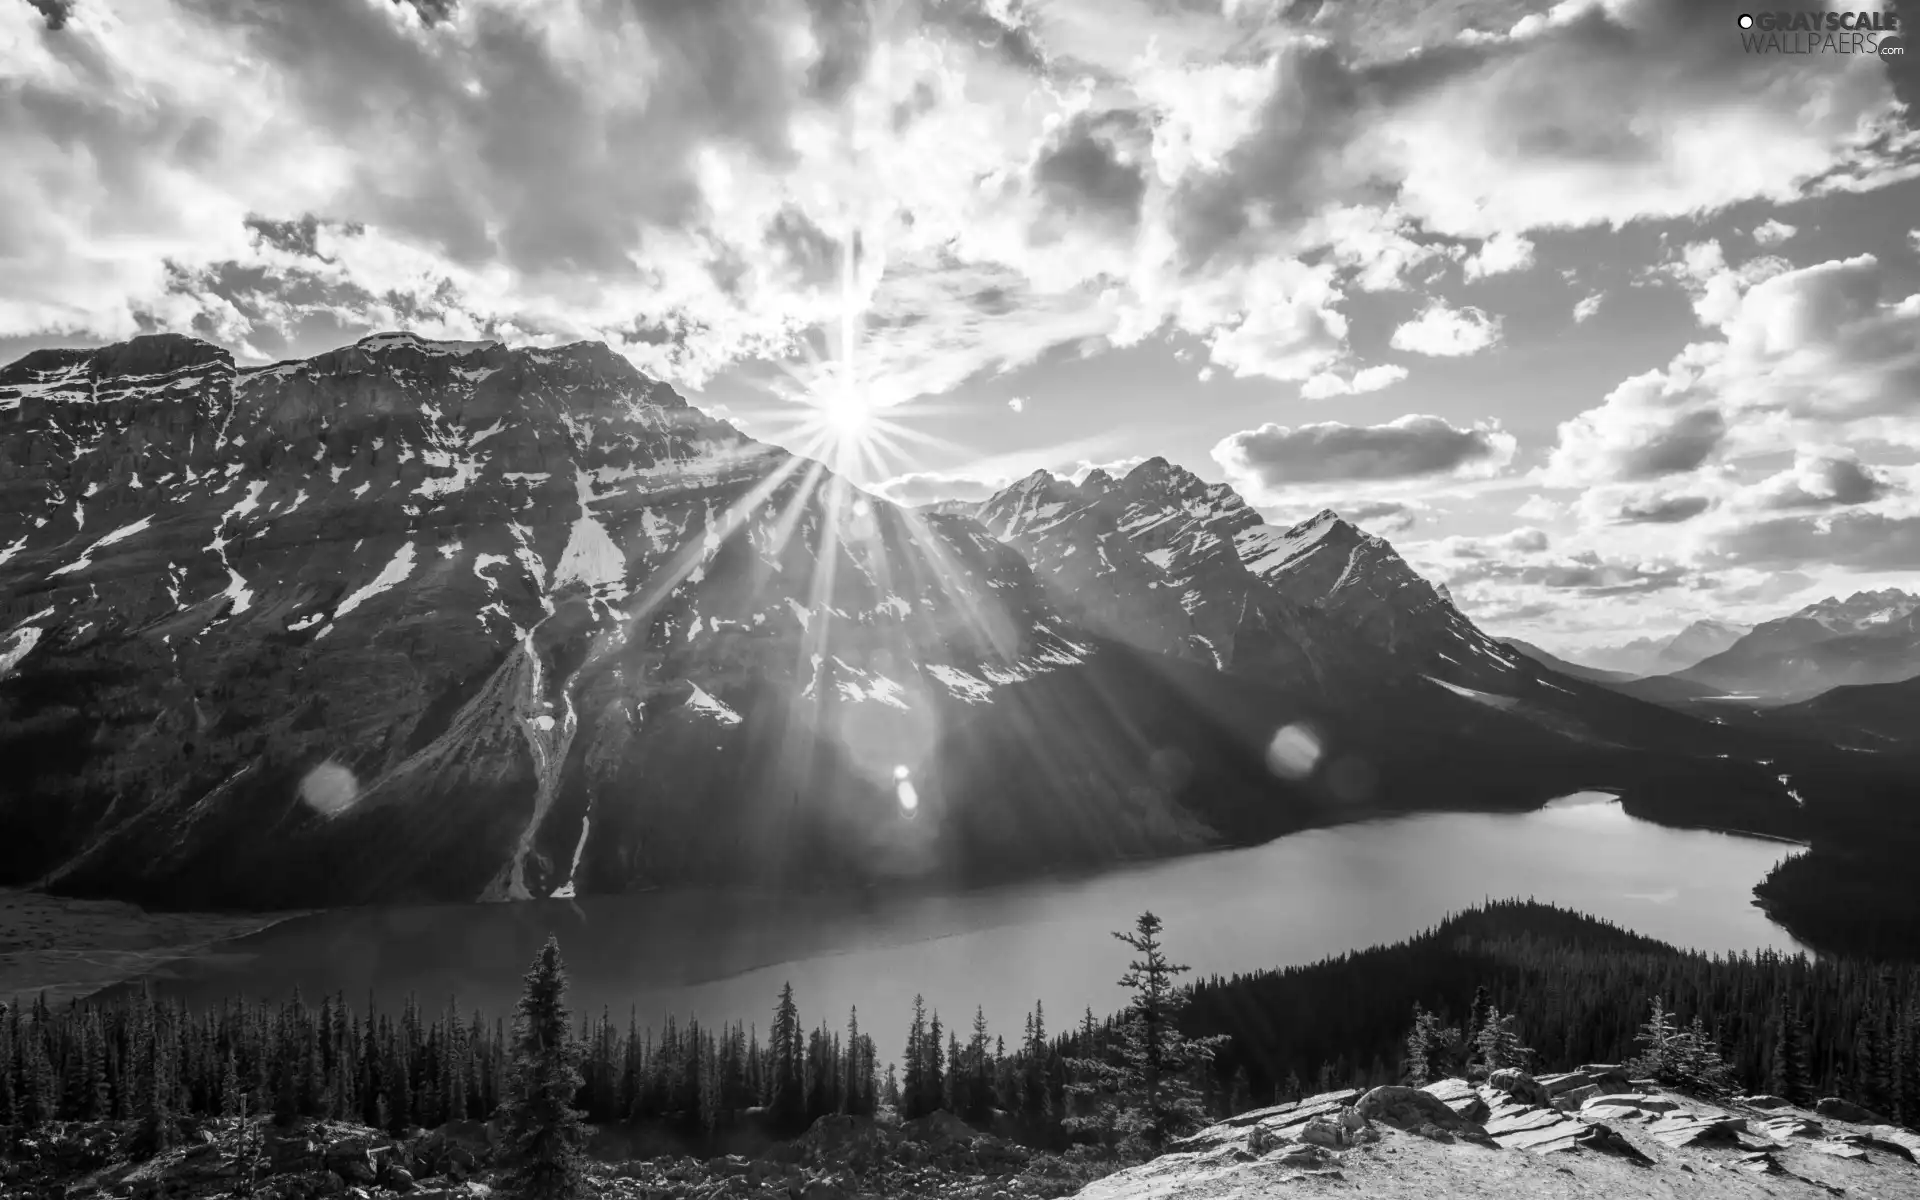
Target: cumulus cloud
1367, 379
1587, 306
1017, 403
1277, 456
704, 183
927, 487
1771, 232
1498, 255
1822, 353
1833, 479
1446, 332
1641, 506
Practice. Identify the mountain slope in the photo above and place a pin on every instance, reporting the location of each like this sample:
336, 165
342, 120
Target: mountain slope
448, 620
428, 620
1590, 674
1871, 637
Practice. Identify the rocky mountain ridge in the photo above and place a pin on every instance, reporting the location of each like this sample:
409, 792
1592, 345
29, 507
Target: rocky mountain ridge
432, 620
1589, 1132
293, 605
1868, 638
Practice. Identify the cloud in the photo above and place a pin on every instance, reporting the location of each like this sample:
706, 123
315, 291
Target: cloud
1017, 403
1835, 479
1771, 232
1447, 332
1539, 508
1861, 540
1367, 379
696, 183
1641, 506
1383, 517
1091, 168
1277, 456
927, 487
1587, 306
1820, 354
1500, 254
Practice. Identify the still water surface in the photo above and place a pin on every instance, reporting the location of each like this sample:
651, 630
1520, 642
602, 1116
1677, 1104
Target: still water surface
723, 956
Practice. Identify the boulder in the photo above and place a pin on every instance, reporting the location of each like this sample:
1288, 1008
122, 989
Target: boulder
1681, 1130
1837, 1109
350, 1160
1900, 1141
1302, 1155
1416, 1110
1257, 1115
1602, 1139
1762, 1101
1338, 1130
1266, 1138
1460, 1096
1571, 1099
1787, 1126
1520, 1085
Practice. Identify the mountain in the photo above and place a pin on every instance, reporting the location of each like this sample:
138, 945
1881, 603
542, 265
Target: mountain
1871, 716
447, 620
1870, 637
1660, 656
416, 620
1164, 561
1591, 674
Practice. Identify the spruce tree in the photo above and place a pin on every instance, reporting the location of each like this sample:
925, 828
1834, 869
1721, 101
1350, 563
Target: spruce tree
1422, 1042
787, 1102
1499, 1043
910, 1093
545, 1132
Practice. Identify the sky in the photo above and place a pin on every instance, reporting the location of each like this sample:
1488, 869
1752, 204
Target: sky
1606, 321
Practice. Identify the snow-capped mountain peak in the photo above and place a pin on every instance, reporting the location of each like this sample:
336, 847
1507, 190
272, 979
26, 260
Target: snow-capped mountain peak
1862, 610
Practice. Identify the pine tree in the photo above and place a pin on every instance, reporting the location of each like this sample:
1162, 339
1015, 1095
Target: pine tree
787, 1103
545, 1132
1499, 1043
1422, 1042
911, 1091
1679, 1058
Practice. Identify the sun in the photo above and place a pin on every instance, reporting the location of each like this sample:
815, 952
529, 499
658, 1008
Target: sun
846, 412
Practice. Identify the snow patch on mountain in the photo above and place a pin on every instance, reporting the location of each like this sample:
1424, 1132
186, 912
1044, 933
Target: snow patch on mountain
15, 647
961, 685
703, 702
392, 575
591, 557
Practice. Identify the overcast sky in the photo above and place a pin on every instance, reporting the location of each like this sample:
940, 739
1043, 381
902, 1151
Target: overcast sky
1605, 322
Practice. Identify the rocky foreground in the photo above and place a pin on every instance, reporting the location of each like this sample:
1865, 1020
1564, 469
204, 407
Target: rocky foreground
839, 1158
1591, 1132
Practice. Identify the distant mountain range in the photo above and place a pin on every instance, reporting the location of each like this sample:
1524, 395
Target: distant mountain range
1662, 656
418, 620
1870, 637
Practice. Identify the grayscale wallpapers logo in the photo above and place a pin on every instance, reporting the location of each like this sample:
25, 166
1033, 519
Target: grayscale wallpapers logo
1868, 33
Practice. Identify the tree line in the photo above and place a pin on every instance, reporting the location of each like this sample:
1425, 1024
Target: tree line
1482, 987
1578, 990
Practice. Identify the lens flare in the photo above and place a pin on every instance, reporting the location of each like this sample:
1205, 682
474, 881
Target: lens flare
1294, 751
908, 797
901, 772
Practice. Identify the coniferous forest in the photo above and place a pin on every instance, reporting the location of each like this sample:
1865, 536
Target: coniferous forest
1573, 988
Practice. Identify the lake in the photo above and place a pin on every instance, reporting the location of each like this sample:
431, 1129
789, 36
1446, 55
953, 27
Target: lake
723, 956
